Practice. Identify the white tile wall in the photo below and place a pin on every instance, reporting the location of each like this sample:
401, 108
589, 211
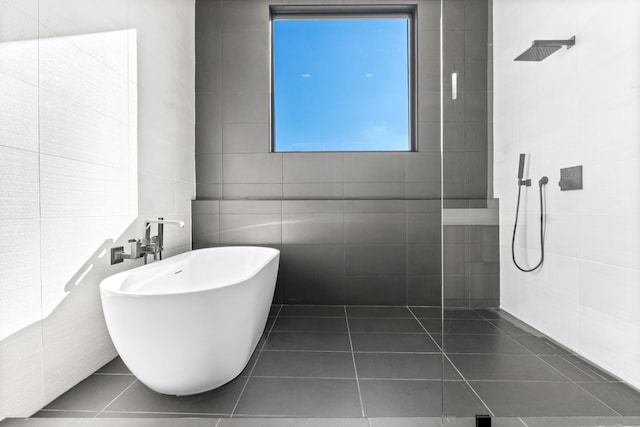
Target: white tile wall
79, 172
19, 184
579, 106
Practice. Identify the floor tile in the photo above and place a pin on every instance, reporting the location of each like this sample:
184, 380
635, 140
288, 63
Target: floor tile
93, 393
461, 314
139, 398
270, 321
568, 369
457, 326
512, 328
310, 324
376, 311
448, 313
539, 345
405, 343
504, 367
427, 312
490, 313
275, 308
406, 422
294, 422
384, 325
149, 420
488, 344
471, 422
401, 366
35, 422
461, 401
619, 396
44, 413
116, 366
252, 361
538, 399
305, 364
317, 341
312, 311
581, 421
590, 368
111, 415
300, 397
401, 398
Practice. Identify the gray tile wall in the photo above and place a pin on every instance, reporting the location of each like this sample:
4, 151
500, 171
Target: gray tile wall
233, 159
471, 256
336, 251
466, 52
354, 228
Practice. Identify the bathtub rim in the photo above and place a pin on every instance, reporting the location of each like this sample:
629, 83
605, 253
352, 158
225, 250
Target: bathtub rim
111, 285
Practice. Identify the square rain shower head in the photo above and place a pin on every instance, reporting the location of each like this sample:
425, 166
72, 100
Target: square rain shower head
540, 49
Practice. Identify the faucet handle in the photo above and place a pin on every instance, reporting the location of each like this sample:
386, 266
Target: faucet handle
134, 248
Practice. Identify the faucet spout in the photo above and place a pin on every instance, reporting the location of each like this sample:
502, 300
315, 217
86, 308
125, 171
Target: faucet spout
164, 221
155, 244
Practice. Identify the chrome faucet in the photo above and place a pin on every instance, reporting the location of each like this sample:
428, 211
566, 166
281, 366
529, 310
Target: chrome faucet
150, 245
154, 245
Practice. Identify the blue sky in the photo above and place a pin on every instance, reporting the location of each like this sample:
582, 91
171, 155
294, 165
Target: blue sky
341, 84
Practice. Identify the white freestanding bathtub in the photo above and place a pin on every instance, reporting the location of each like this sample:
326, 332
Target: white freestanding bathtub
190, 323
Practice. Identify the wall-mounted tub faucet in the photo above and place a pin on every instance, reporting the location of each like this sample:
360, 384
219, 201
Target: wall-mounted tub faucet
150, 245
155, 244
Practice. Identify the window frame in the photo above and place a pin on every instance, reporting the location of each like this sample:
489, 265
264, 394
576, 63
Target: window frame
315, 12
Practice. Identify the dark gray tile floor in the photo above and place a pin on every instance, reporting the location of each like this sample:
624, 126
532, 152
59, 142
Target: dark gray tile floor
381, 363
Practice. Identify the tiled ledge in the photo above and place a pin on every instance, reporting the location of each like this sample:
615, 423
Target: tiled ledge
471, 215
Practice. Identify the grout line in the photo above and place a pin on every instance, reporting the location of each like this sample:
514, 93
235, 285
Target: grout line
233, 411
353, 358
369, 332
468, 384
522, 421
590, 372
444, 356
218, 422
565, 375
115, 398
115, 374
186, 414
595, 380
426, 331
373, 378
360, 351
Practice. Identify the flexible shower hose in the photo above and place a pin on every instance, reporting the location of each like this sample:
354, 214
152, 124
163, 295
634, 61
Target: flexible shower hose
541, 183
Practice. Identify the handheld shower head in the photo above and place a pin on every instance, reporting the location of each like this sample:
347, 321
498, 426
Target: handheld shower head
521, 166
543, 181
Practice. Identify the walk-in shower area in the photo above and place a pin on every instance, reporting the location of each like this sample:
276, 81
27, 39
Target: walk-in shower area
356, 213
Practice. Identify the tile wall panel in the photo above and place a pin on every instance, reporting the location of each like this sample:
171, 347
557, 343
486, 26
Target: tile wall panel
582, 295
331, 249
233, 119
385, 250
86, 155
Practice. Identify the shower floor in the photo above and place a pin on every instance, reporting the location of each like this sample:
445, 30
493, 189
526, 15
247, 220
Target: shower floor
379, 362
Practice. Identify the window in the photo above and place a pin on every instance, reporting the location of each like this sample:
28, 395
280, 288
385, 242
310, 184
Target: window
342, 78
